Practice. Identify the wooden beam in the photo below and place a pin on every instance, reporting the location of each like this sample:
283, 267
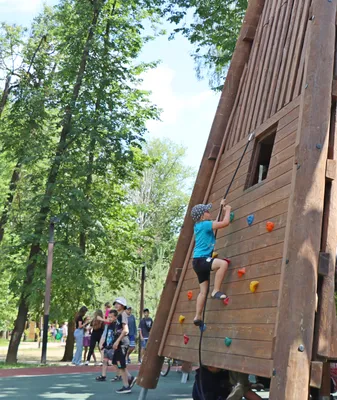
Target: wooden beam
331, 167
248, 34
297, 300
177, 275
150, 369
214, 152
316, 374
323, 264
334, 89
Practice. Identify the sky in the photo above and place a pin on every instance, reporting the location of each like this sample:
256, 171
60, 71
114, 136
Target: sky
188, 105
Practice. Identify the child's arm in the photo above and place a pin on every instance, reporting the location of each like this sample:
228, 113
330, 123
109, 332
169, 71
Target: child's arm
226, 220
124, 332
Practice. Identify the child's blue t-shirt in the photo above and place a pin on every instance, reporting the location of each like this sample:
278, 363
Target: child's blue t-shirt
204, 239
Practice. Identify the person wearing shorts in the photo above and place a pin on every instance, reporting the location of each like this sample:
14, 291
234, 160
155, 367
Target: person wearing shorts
203, 262
121, 346
106, 343
132, 332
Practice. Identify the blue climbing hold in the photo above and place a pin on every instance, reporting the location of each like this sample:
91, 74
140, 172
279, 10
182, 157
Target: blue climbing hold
250, 219
232, 216
203, 327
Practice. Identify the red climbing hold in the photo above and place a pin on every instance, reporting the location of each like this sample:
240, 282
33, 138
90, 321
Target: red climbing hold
189, 295
270, 226
226, 301
241, 272
186, 339
228, 260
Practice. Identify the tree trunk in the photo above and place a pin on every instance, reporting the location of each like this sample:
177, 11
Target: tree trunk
11, 190
50, 185
69, 349
5, 93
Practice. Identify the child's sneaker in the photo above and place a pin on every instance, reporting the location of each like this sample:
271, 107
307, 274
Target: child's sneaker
116, 379
237, 392
124, 390
86, 363
132, 381
101, 378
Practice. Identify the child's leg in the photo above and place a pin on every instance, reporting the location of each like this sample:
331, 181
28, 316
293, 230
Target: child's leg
85, 353
220, 267
201, 300
250, 395
125, 377
104, 367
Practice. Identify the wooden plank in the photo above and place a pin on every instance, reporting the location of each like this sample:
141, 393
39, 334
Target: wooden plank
278, 63
265, 63
258, 72
334, 89
316, 374
256, 349
214, 152
177, 275
295, 44
323, 264
256, 192
279, 21
250, 72
249, 33
247, 365
250, 232
303, 237
333, 341
267, 284
300, 74
331, 167
253, 272
261, 332
281, 78
237, 302
297, 53
265, 315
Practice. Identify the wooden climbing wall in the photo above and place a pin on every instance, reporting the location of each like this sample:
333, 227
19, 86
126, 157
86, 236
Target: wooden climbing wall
268, 99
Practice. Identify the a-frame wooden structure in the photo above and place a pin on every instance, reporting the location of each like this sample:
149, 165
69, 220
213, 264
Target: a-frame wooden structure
280, 86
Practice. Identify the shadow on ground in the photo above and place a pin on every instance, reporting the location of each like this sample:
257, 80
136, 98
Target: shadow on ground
84, 387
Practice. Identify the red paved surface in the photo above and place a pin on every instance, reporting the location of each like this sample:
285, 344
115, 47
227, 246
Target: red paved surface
56, 370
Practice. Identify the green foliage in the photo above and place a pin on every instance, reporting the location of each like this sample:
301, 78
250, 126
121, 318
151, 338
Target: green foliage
213, 31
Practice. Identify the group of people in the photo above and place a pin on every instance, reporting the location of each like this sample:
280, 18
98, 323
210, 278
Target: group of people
115, 334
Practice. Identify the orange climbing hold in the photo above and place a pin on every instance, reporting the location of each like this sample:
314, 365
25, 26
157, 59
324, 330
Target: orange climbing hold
181, 319
253, 286
270, 226
241, 272
186, 339
189, 295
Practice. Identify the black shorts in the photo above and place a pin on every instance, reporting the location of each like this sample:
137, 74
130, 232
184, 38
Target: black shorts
119, 358
203, 268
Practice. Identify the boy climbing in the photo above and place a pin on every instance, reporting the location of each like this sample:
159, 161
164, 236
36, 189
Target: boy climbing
203, 262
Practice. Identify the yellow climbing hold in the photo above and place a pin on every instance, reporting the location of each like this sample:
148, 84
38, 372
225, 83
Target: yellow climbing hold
181, 319
253, 286
214, 254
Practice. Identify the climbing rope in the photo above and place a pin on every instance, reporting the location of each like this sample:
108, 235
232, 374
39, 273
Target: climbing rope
250, 137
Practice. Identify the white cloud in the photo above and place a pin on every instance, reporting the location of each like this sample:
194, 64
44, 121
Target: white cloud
160, 82
19, 6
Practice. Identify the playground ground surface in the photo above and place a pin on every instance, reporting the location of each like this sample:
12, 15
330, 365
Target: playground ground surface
78, 383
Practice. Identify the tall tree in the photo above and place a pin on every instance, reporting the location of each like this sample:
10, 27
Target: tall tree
94, 99
213, 30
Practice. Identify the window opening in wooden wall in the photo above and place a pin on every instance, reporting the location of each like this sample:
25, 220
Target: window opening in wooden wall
261, 158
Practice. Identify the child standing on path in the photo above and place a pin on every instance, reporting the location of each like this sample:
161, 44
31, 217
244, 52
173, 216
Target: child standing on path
87, 338
106, 343
203, 262
121, 346
78, 334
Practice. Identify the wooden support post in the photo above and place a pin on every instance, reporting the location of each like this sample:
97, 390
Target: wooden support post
297, 299
150, 369
326, 383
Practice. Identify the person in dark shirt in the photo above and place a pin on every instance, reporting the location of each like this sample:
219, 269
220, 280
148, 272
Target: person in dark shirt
132, 332
78, 334
145, 326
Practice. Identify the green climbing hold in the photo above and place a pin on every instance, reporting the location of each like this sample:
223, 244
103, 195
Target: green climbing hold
228, 341
232, 216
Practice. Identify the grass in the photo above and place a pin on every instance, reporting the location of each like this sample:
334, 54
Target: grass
4, 342
4, 365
